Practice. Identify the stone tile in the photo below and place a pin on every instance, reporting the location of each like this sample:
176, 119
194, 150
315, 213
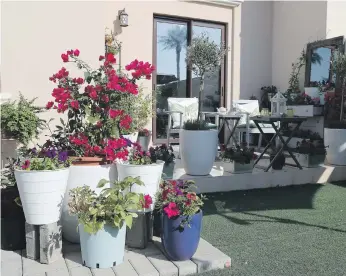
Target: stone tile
59, 272
73, 259
209, 258
11, 263
102, 272
80, 271
142, 265
150, 250
163, 266
32, 267
125, 269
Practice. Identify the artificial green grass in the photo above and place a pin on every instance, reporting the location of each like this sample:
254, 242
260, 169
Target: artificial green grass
290, 231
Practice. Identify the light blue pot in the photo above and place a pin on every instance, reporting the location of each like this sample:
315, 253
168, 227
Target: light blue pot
105, 248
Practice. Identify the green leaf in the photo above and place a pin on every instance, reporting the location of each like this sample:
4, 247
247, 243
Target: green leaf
62, 121
102, 183
128, 221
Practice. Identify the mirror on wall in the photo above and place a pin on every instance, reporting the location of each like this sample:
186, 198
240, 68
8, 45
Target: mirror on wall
318, 62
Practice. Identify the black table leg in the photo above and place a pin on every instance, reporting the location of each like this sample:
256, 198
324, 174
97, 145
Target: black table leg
231, 130
285, 144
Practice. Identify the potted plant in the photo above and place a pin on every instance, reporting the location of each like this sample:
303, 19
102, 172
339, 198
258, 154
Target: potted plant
95, 121
304, 105
310, 153
140, 164
19, 125
279, 162
267, 93
335, 122
144, 137
42, 179
197, 141
238, 159
12, 215
181, 218
103, 219
166, 154
141, 231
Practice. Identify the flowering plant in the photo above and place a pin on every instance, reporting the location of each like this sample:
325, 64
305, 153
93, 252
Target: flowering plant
136, 156
163, 152
144, 132
46, 159
242, 155
94, 119
177, 198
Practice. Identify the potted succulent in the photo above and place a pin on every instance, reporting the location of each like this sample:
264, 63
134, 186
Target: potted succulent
310, 153
12, 215
166, 154
42, 179
141, 231
238, 159
140, 164
203, 55
335, 121
19, 125
181, 218
95, 121
144, 137
103, 219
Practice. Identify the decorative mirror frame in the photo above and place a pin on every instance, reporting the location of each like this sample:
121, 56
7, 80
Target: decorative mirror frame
338, 42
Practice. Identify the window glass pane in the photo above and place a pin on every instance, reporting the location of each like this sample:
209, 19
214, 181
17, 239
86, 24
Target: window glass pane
212, 83
171, 41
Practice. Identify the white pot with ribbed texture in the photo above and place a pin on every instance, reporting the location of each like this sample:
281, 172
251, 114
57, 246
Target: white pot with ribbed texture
149, 174
198, 150
42, 194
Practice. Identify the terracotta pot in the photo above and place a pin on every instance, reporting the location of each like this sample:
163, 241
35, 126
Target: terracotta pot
90, 161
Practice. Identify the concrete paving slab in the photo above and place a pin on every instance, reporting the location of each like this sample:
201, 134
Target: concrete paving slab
125, 269
102, 272
163, 266
142, 265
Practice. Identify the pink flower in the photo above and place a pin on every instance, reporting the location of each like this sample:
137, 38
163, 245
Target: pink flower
113, 113
147, 201
75, 104
26, 165
171, 210
76, 52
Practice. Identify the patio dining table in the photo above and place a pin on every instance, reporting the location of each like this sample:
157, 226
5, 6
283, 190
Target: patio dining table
282, 120
222, 120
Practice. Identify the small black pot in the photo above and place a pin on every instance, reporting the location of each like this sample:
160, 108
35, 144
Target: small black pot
157, 223
279, 163
141, 231
12, 221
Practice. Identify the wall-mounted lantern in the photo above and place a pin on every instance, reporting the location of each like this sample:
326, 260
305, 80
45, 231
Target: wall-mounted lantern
123, 18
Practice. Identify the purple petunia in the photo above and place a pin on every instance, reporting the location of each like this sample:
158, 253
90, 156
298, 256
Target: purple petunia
63, 156
51, 153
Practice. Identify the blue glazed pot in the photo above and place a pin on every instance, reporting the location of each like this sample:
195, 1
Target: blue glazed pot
180, 244
105, 248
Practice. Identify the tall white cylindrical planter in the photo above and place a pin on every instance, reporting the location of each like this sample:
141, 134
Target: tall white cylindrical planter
149, 174
335, 142
198, 150
42, 194
81, 175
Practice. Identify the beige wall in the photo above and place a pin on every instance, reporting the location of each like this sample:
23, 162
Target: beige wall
34, 34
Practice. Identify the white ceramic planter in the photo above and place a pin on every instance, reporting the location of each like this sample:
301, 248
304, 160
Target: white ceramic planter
198, 150
79, 176
149, 174
335, 141
236, 168
42, 194
309, 161
306, 110
132, 137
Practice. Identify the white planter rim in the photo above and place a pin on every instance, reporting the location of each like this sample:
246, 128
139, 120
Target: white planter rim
198, 130
25, 171
158, 162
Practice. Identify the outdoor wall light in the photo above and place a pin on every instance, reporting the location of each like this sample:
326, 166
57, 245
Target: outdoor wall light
124, 18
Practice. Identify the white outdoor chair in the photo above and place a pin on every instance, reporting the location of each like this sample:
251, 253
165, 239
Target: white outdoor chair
179, 111
250, 108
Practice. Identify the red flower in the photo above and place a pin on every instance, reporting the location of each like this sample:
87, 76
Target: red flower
64, 57
78, 80
96, 149
147, 201
171, 210
105, 98
26, 164
113, 113
99, 124
125, 121
76, 52
191, 196
110, 58
74, 104
188, 203
101, 58
49, 105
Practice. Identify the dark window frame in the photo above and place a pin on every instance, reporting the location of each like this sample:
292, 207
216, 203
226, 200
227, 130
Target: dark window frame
190, 22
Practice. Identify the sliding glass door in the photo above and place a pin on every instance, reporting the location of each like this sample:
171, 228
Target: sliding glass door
173, 77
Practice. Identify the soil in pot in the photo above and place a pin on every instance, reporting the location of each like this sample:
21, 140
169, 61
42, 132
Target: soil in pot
279, 162
12, 221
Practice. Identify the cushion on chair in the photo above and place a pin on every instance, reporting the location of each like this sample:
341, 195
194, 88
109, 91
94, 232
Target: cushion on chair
188, 106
